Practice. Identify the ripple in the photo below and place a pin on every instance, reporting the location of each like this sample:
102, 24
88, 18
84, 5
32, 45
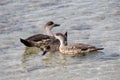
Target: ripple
87, 21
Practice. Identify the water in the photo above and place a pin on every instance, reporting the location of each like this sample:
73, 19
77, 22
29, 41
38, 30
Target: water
94, 22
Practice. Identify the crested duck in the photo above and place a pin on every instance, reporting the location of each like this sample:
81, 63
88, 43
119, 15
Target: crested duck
73, 49
40, 39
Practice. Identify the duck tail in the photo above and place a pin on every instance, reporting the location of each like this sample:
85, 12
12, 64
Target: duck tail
66, 36
100, 48
26, 42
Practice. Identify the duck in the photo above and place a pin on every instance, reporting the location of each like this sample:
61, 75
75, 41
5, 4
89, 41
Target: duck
41, 39
72, 49
53, 46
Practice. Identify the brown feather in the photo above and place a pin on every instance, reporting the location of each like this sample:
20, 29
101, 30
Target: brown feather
38, 37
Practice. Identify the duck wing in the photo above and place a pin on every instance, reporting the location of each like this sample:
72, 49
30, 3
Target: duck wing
36, 40
84, 47
38, 37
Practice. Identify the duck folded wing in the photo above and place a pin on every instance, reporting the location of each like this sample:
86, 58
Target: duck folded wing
79, 46
38, 37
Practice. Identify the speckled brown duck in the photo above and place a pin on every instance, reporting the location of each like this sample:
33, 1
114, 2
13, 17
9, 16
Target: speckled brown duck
73, 49
53, 46
41, 39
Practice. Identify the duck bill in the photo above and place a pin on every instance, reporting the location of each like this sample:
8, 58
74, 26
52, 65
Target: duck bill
56, 25
44, 52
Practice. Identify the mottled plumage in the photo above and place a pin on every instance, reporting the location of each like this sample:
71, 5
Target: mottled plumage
53, 45
73, 49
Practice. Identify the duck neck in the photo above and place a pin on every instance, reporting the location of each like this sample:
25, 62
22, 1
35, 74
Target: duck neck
49, 32
62, 43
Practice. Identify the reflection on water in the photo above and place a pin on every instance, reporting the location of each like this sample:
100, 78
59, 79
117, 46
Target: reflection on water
53, 59
29, 51
50, 60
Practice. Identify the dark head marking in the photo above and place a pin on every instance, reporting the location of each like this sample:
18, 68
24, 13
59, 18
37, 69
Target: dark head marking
59, 34
50, 23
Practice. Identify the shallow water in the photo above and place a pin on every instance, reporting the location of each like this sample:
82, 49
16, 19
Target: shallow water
94, 22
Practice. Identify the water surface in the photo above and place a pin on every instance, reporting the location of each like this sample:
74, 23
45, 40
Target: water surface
95, 22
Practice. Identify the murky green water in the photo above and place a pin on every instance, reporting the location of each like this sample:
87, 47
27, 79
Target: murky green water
96, 22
